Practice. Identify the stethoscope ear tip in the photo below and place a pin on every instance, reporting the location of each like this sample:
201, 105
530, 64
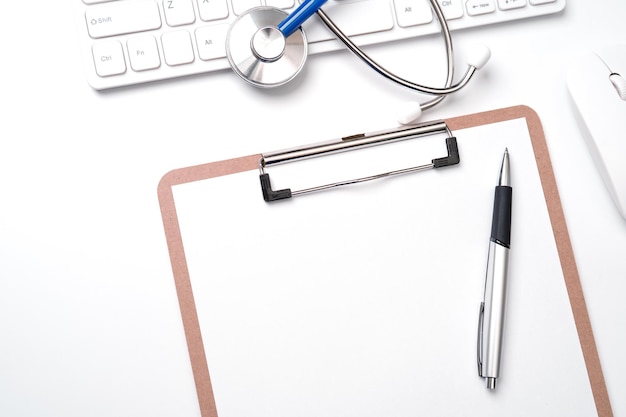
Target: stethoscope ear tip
478, 56
408, 112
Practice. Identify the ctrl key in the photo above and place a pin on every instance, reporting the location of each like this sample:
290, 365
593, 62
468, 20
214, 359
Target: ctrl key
108, 58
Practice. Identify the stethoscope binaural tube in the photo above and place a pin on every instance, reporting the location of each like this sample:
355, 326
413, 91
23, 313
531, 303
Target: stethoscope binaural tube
271, 52
481, 56
447, 38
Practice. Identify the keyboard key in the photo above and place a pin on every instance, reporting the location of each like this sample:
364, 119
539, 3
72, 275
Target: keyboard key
108, 57
413, 12
122, 17
212, 9
177, 48
478, 7
536, 2
178, 12
211, 41
452, 9
511, 4
143, 53
353, 19
241, 6
281, 4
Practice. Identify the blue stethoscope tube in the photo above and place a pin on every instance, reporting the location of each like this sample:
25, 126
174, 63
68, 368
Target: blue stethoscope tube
299, 16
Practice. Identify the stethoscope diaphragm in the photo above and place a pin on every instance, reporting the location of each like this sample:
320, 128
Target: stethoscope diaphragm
259, 53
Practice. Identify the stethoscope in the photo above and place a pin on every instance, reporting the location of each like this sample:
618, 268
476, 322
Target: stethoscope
267, 48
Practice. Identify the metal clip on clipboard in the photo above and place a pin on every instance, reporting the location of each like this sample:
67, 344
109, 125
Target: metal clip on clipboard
354, 142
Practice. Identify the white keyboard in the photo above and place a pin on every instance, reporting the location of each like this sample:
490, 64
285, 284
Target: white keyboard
127, 42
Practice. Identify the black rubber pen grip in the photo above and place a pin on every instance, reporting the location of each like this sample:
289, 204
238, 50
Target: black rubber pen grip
501, 221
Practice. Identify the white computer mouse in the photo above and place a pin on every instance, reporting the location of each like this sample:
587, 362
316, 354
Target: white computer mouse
597, 84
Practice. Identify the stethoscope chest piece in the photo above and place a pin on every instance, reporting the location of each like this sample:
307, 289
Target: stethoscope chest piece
258, 51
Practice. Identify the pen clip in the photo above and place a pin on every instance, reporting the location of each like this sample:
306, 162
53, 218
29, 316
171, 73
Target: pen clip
479, 341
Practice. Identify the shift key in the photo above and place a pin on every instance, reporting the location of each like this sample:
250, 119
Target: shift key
122, 17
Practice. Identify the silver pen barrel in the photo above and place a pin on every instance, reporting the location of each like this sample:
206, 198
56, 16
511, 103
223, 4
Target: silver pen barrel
494, 304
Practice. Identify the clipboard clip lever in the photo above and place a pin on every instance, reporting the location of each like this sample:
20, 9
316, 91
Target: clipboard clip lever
351, 143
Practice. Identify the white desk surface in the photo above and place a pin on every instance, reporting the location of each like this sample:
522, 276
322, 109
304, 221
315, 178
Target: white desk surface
89, 321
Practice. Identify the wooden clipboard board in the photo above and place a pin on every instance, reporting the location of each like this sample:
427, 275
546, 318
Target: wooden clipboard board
187, 302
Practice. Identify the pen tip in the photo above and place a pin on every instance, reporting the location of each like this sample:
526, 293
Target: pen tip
505, 169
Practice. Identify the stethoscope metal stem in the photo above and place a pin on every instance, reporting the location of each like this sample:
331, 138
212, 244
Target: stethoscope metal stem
268, 44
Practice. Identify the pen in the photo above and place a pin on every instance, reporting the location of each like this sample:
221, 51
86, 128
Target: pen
491, 318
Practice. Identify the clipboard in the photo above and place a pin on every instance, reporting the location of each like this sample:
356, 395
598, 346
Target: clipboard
211, 393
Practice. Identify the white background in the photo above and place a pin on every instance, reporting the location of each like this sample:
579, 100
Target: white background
87, 306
